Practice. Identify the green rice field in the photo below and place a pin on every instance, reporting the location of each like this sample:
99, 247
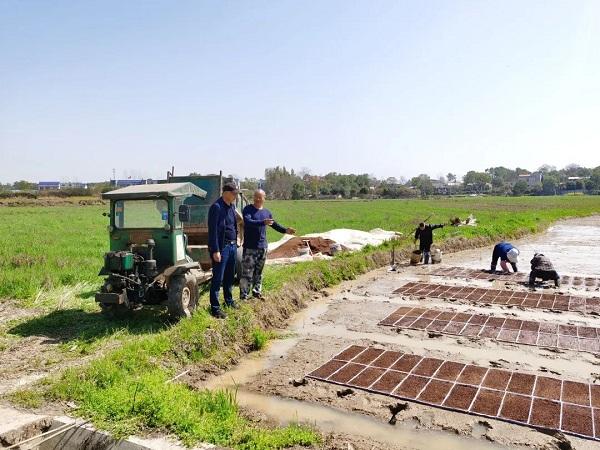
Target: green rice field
43, 248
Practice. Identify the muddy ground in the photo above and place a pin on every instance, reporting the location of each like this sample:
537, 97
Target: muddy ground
273, 386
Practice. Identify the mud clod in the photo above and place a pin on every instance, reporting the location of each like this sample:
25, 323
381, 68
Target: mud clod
554, 372
398, 407
486, 424
562, 442
298, 383
395, 409
344, 392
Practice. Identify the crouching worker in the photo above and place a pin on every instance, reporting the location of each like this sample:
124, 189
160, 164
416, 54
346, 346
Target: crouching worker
506, 253
256, 220
541, 267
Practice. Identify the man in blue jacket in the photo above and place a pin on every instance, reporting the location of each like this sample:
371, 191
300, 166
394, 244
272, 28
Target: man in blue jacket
222, 245
507, 253
256, 220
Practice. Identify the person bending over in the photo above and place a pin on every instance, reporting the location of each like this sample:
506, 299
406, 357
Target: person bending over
506, 253
541, 267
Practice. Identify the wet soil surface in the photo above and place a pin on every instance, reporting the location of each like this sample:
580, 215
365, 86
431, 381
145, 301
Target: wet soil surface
274, 385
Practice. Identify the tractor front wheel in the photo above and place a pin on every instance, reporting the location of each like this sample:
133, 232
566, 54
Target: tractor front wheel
182, 296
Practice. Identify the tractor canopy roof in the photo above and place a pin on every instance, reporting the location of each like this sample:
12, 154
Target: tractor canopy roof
145, 191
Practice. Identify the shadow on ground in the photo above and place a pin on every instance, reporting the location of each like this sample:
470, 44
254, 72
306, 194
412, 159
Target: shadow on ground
90, 293
69, 324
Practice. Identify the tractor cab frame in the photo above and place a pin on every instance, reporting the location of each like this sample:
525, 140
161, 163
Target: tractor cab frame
149, 262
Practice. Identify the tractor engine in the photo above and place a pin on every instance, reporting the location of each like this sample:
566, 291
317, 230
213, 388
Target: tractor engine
131, 275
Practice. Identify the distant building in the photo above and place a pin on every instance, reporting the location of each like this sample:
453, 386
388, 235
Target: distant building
532, 179
438, 184
130, 182
74, 185
574, 184
452, 187
49, 185
442, 187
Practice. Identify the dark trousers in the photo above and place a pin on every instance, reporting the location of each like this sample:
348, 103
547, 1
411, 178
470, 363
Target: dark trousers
545, 275
223, 273
425, 248
497, 255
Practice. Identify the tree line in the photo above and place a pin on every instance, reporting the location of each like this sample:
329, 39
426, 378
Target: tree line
281, 183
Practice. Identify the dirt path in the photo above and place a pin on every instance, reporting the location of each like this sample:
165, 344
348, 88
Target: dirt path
273, 385
21, 358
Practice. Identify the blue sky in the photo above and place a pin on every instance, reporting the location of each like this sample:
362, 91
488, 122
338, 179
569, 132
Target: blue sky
390, 88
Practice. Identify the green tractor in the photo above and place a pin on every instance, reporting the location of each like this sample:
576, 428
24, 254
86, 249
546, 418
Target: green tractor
149, 262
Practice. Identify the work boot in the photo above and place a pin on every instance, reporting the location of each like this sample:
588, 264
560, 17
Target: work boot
218, 314
232, 305
258, 295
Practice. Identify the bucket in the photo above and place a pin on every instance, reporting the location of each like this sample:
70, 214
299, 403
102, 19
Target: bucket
415, 257
436, 256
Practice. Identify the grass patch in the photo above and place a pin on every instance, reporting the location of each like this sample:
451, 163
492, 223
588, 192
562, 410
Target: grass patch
28, 398
497, 216
44, 248
259, 339
81, 329
127, 406
128, 390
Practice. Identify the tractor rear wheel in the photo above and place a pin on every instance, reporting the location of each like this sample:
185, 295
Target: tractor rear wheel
182, 296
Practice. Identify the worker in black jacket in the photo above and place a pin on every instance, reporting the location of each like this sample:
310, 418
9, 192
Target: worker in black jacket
424, 234
541, 267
